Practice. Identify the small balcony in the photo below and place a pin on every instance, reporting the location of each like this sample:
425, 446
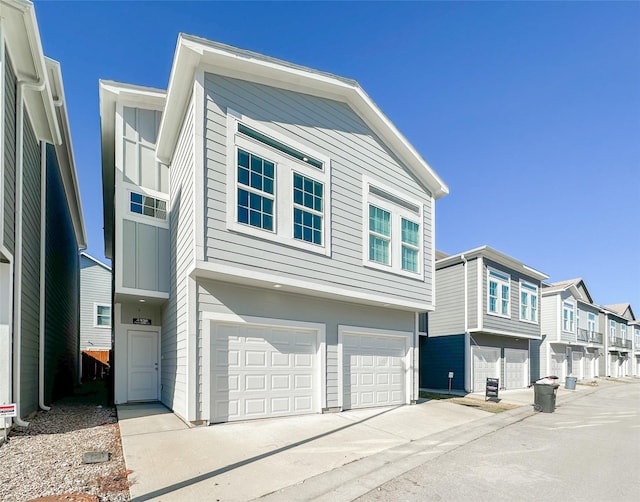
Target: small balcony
586, 336
616, 341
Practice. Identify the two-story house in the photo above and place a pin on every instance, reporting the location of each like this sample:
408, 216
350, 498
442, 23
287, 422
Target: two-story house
615, 321
41, 224
487, 316
572, 335
635, 327
272, 239
95, 316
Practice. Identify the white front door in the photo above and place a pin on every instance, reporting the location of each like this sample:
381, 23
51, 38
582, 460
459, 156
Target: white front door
143, 371
485, 365
263, 371
373, 370
515, 368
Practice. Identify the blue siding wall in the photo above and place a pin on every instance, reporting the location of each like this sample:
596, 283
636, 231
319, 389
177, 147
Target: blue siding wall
438, 356
62, 289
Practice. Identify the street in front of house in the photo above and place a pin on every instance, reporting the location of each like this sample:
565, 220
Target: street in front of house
587, 450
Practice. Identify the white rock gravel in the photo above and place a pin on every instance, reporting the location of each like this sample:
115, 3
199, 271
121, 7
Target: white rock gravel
46, 457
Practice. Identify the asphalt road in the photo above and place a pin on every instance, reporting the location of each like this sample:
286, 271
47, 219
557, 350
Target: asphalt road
588, 450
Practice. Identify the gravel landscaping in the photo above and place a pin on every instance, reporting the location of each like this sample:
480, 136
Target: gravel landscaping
46, 458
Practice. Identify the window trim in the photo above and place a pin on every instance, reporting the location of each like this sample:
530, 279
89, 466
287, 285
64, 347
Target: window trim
613, 325
398, 213
529, 294
147, 217
285, 168
572, 320
592, 322
623, 331
95, 316
500, 281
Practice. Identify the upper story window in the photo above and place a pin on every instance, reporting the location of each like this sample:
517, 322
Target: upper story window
277, 189
568, 316
147, 206
499, 293
102, 316
623, 331
591, 322
528, 302
612, 328
392, 233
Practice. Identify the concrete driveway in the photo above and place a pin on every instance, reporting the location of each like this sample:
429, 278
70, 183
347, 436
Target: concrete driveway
246, 460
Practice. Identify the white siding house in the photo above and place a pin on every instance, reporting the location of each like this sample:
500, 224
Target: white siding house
274, 231
95, 315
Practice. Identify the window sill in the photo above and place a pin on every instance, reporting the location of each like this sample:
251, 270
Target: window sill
495, 314
278, 239
529, 322
391, 270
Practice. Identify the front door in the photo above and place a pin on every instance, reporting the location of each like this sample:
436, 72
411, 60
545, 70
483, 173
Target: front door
143, 366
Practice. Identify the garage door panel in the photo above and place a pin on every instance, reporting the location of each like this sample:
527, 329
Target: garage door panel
515, 368
373, 372
261, 372
485, 365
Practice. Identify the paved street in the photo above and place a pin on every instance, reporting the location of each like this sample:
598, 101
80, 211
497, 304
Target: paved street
588, 450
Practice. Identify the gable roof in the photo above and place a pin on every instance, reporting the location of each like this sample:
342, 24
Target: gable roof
95, 260
193, 52
495, 255
576, 283
622, 309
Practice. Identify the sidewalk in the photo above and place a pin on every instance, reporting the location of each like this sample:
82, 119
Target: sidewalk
341, 455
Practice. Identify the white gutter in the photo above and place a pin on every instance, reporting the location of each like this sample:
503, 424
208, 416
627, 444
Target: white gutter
38, 86
43, 254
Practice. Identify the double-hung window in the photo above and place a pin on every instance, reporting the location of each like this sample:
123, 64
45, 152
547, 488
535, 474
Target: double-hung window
623, 331
568, 317
612, 328
499, 293
392, 233
102, 316
591, 322
277, 188
528, 302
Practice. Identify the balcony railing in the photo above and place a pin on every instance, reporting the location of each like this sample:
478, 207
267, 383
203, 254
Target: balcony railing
626, 344
586, 336
616, 341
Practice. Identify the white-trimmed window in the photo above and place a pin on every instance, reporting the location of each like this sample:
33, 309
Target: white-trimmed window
277, 188
591, 322
102, 315
568, 316
498, 293
392, 233
623, 331
612, 328
147, 206
528, 302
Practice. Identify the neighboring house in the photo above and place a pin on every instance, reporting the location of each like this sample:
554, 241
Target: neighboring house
635, 327
487, 318
573, 342
41, 225
280, 267
619, 338
95, 316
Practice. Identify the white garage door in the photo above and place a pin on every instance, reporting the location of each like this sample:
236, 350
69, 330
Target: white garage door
556, 365
576, 364
485, 365
515, 368
373, 370
260, 371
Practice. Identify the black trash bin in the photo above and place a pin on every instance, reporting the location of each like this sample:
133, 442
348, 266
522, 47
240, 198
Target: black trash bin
544, 397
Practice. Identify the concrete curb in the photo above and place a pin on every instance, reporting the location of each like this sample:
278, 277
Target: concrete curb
360, 477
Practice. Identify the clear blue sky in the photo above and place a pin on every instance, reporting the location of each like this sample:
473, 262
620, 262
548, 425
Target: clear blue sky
529, 111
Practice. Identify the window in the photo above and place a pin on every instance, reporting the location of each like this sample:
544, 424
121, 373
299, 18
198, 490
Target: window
623, 331
499, 296
568, 317
102, 316
528, 302
612, 328
278, 188
393, 232
147, 206
591, 322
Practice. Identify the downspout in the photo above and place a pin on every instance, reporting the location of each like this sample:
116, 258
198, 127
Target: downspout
43, 251
38, 86
467, 337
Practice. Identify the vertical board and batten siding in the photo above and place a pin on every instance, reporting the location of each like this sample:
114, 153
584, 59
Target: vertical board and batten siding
439, 356
9, 154
62, 282
565, 336
95, 288
332, 128
181, 257
222, 298
514, 324
30, 328
448, 318
145, 256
